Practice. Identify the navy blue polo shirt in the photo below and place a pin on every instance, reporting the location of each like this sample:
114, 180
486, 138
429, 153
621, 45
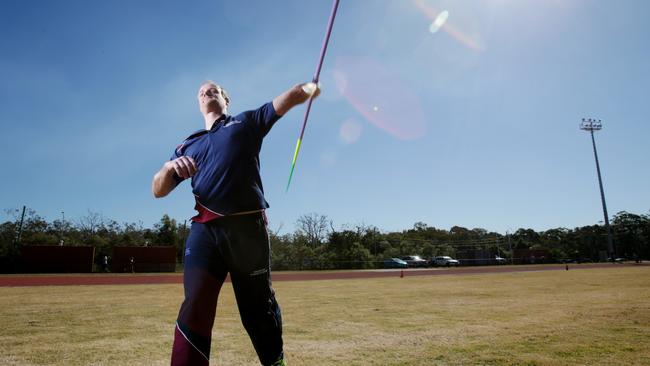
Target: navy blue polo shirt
227, 156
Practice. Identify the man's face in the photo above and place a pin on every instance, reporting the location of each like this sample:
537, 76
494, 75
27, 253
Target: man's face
212, 99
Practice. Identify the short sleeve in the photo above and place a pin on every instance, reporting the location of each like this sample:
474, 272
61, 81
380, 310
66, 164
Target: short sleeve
263, 118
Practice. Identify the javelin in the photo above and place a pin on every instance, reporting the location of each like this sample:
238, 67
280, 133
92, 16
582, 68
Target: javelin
315, 81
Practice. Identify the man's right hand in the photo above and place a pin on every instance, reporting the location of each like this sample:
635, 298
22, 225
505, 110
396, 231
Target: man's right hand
183, 166
298, 94
164, 182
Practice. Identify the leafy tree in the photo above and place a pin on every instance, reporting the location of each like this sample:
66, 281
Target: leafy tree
302, 252
525, 238
7, 239
629, 235
166, 232
317, 245
556, 241
459, 233
358, 256
131, 234
281, 253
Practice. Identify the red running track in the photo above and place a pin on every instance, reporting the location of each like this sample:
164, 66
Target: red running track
177, 278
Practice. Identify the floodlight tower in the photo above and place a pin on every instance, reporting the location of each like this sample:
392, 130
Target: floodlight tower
591, 125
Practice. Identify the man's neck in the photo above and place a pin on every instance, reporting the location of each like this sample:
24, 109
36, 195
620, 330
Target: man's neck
211, 117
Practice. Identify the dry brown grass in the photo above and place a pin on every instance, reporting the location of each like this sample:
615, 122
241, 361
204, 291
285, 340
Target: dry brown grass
579, 317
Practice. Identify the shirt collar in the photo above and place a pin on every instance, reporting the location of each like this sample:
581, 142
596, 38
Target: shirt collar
222, 118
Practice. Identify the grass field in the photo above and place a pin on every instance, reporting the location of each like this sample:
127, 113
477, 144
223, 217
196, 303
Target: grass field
576, 317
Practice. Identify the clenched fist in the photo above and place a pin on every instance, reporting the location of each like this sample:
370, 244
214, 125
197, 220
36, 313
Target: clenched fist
184, 166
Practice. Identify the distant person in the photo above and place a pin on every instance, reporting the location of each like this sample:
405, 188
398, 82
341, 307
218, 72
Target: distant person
105, 263
229, 234
132, 264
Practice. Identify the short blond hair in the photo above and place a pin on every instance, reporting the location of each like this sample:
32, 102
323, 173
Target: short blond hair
223, 91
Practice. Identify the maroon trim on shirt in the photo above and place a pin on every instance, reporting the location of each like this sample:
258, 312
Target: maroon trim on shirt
204, 214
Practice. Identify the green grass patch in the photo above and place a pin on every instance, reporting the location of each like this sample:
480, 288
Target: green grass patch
585, 317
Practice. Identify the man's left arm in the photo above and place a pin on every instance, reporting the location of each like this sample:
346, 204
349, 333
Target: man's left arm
298, 94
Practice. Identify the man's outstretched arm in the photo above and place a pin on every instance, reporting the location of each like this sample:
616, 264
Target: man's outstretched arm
298, 94
164, 182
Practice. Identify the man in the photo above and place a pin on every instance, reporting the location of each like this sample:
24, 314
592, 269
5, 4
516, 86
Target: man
228, 235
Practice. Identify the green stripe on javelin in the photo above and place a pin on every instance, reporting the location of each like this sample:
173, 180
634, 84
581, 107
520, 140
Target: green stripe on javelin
293, 163
295, 153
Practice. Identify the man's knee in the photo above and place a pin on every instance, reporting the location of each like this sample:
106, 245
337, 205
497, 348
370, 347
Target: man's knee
190, 348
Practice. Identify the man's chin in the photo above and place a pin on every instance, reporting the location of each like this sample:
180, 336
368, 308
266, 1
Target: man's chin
215, 108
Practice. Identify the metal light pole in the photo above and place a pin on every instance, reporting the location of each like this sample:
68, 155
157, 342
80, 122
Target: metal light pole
19, 235
61, 240
591, 125
512, 254
62, 223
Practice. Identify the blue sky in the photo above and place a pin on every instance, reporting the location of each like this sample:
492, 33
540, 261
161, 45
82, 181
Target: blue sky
474, 125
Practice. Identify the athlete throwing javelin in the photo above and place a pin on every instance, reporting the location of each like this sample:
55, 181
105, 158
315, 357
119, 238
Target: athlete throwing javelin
228, 234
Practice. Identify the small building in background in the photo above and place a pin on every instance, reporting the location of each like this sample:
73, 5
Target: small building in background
144, 259
531, 256
57, 259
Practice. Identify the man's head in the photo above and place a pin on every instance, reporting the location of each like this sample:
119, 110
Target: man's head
212, 98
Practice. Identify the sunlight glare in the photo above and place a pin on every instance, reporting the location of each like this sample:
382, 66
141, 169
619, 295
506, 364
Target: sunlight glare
368, 85
350, 131
440, 20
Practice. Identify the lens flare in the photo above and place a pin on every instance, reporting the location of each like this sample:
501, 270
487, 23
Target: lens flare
440, 23
366, 84
440, 20
350, 131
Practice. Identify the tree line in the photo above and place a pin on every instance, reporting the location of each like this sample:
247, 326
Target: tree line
316, 244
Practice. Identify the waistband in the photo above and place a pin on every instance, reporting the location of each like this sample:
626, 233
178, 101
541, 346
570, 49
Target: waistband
202, 218
204, 214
